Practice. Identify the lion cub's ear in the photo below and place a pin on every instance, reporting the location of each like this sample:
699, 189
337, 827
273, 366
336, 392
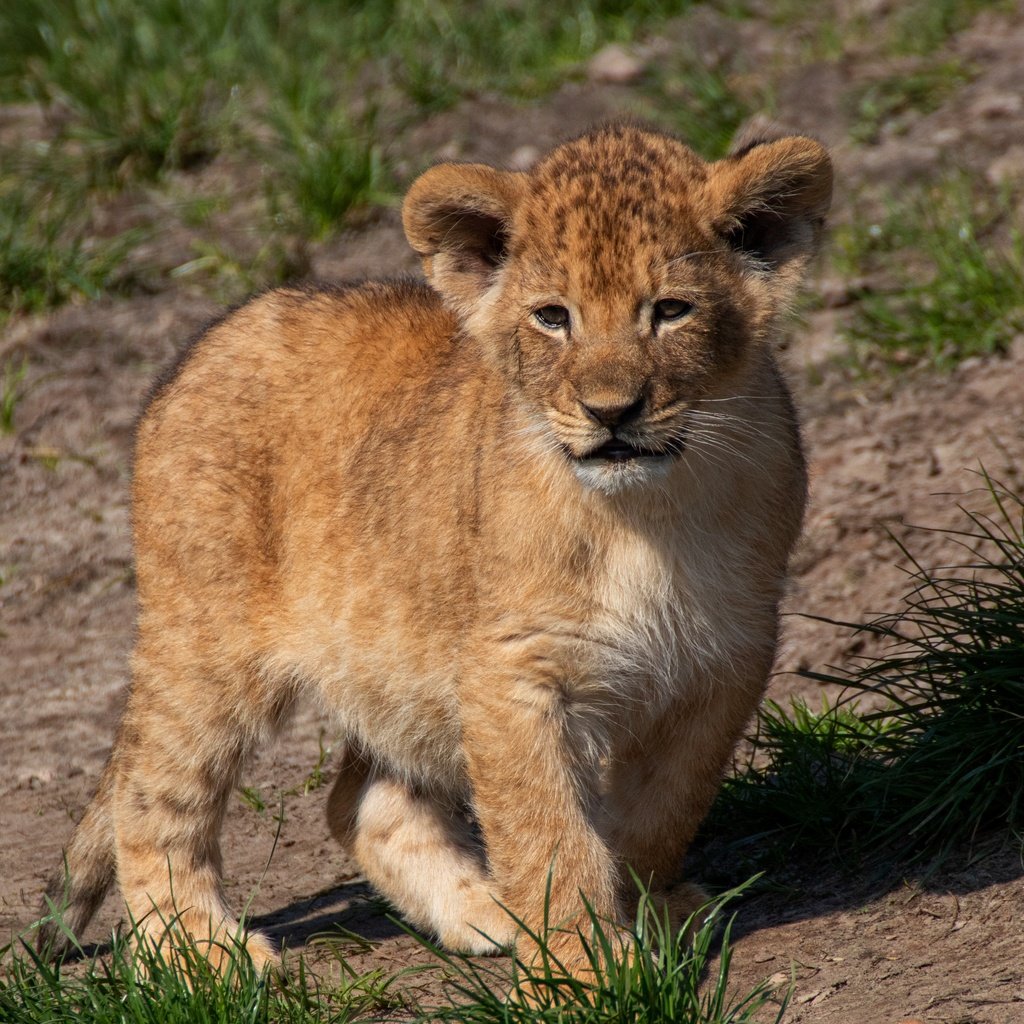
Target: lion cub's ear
771, 199
457, 217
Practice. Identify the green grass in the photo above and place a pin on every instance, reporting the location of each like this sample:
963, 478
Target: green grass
443, 51
796, 795
228, 275
922, 26
324, 162
914, 27
171, 87
894, 101
946, 290
316, 776
287, 108
48, 254
132, 984
11, 392
140, 93
253, 799
819, 28
941, 762
701, 104
666, 979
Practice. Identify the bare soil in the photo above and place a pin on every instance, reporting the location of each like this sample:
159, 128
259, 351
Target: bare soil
885, 453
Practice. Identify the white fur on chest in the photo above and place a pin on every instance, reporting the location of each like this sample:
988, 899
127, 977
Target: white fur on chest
677, 611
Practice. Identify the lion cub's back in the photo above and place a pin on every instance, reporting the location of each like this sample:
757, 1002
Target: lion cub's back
252, 421
308, 340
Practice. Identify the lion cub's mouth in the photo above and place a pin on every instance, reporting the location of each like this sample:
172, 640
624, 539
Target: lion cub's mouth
617, 450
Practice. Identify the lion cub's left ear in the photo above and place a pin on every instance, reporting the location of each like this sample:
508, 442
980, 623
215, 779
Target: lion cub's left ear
457, 218
771, 200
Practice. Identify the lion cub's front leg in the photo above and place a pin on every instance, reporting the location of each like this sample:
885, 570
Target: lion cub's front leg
663, 783
529, 744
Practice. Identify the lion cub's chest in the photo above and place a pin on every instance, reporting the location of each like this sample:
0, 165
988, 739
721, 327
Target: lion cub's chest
673, 611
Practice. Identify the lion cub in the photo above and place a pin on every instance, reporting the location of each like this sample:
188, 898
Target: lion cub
522, 530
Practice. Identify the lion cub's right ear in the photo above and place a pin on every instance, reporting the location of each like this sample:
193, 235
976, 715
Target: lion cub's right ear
457, 218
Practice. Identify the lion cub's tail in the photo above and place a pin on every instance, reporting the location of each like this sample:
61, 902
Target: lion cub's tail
79, 886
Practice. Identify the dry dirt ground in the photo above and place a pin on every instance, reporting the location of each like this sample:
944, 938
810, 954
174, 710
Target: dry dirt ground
885, 452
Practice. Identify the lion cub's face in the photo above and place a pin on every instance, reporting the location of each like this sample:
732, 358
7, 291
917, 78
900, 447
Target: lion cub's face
623, 281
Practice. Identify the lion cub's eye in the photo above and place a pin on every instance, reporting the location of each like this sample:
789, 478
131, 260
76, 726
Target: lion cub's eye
671, 309
554, 318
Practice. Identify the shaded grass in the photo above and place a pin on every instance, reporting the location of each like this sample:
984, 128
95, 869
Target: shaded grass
942, 761
945, 290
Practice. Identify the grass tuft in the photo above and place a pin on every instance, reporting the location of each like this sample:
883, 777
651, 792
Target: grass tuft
141, 92
922, 26
286, 106
663, 978
168, 86
323, 163
895, 102
47, 256
12, 391
132, 983
945, 290
942, 761
652, 975
701, 103
440, 52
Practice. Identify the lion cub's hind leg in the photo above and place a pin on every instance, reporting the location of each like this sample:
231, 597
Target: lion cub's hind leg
419, 854
186, 733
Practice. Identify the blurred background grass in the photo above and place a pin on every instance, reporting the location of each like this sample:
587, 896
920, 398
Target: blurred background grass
293, 100
259, 129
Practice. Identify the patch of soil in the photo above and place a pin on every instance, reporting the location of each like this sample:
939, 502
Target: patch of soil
884, 454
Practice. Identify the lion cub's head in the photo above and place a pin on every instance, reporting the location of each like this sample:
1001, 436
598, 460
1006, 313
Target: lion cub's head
622, 280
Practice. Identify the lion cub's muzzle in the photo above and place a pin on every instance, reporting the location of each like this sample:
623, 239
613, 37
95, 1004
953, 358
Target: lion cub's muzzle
622, 459
627, 436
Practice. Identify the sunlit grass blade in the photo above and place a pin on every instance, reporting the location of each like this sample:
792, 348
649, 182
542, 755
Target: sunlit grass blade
649, 974
134, 981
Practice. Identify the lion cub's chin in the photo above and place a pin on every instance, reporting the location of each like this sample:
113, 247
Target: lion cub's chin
610, 476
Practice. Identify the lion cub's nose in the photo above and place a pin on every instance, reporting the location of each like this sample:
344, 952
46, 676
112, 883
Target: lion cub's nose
613, 414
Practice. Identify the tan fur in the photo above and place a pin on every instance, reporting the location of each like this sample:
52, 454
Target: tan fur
379, 498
